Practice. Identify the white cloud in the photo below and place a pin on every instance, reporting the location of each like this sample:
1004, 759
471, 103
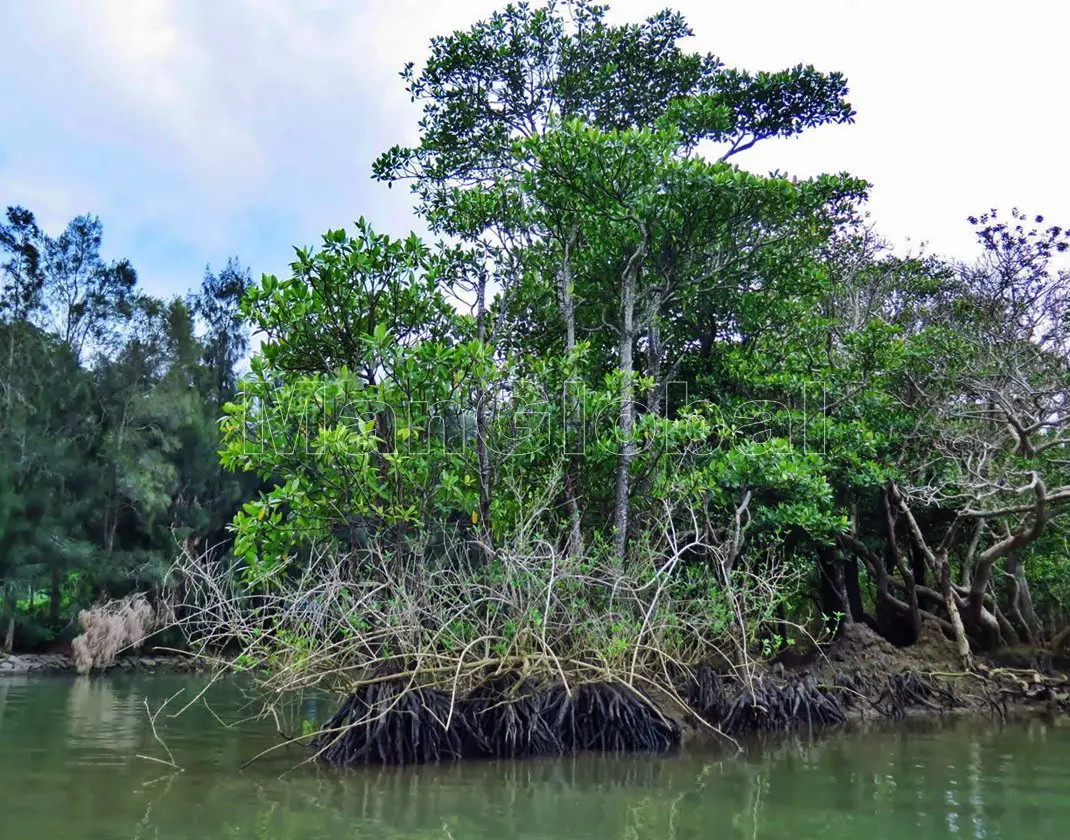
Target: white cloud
144, 62
58, 199
960, 102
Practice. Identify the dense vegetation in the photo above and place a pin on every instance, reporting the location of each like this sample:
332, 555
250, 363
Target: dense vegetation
637, 412
109, 407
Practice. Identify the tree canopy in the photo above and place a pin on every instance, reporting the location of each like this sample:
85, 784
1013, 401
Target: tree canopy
109, 401
642, 406
638, 405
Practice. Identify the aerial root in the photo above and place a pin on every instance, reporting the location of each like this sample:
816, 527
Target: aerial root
506, 717
765, 706
391, 723
612, 717
914, 690
707, 693
511, 716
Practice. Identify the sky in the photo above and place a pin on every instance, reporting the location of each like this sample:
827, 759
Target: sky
203, 129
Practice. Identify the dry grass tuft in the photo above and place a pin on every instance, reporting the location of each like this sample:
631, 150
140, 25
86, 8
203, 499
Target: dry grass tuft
108, 629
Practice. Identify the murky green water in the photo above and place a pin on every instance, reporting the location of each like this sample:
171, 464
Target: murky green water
69, 767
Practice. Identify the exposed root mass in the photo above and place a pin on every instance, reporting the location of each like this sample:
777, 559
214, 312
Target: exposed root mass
764, 706
906, 691
390, 723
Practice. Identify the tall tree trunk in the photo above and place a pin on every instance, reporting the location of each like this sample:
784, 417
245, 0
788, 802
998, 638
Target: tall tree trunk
971, 553
653, 369
856, 610
1012, 542
938, 562
896, 557
890, 611
566, 302
1021, 602
627, 406
9, 635
962, 643
1025, 604
918, 571
982, 621
832, 591
111, 517
1010, 635
482, 455
917, 568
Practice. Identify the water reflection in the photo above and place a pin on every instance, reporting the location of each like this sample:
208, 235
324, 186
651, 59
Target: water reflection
103, 719
81, 738
5, 687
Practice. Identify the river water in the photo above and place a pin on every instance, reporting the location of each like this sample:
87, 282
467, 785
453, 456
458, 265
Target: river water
70, 768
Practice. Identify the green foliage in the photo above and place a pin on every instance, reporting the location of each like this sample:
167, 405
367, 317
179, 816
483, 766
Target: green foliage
637, 367
528, 67
393, 428
354, 403
108, 435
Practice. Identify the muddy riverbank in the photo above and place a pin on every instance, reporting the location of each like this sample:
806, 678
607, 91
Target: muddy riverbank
59, 663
